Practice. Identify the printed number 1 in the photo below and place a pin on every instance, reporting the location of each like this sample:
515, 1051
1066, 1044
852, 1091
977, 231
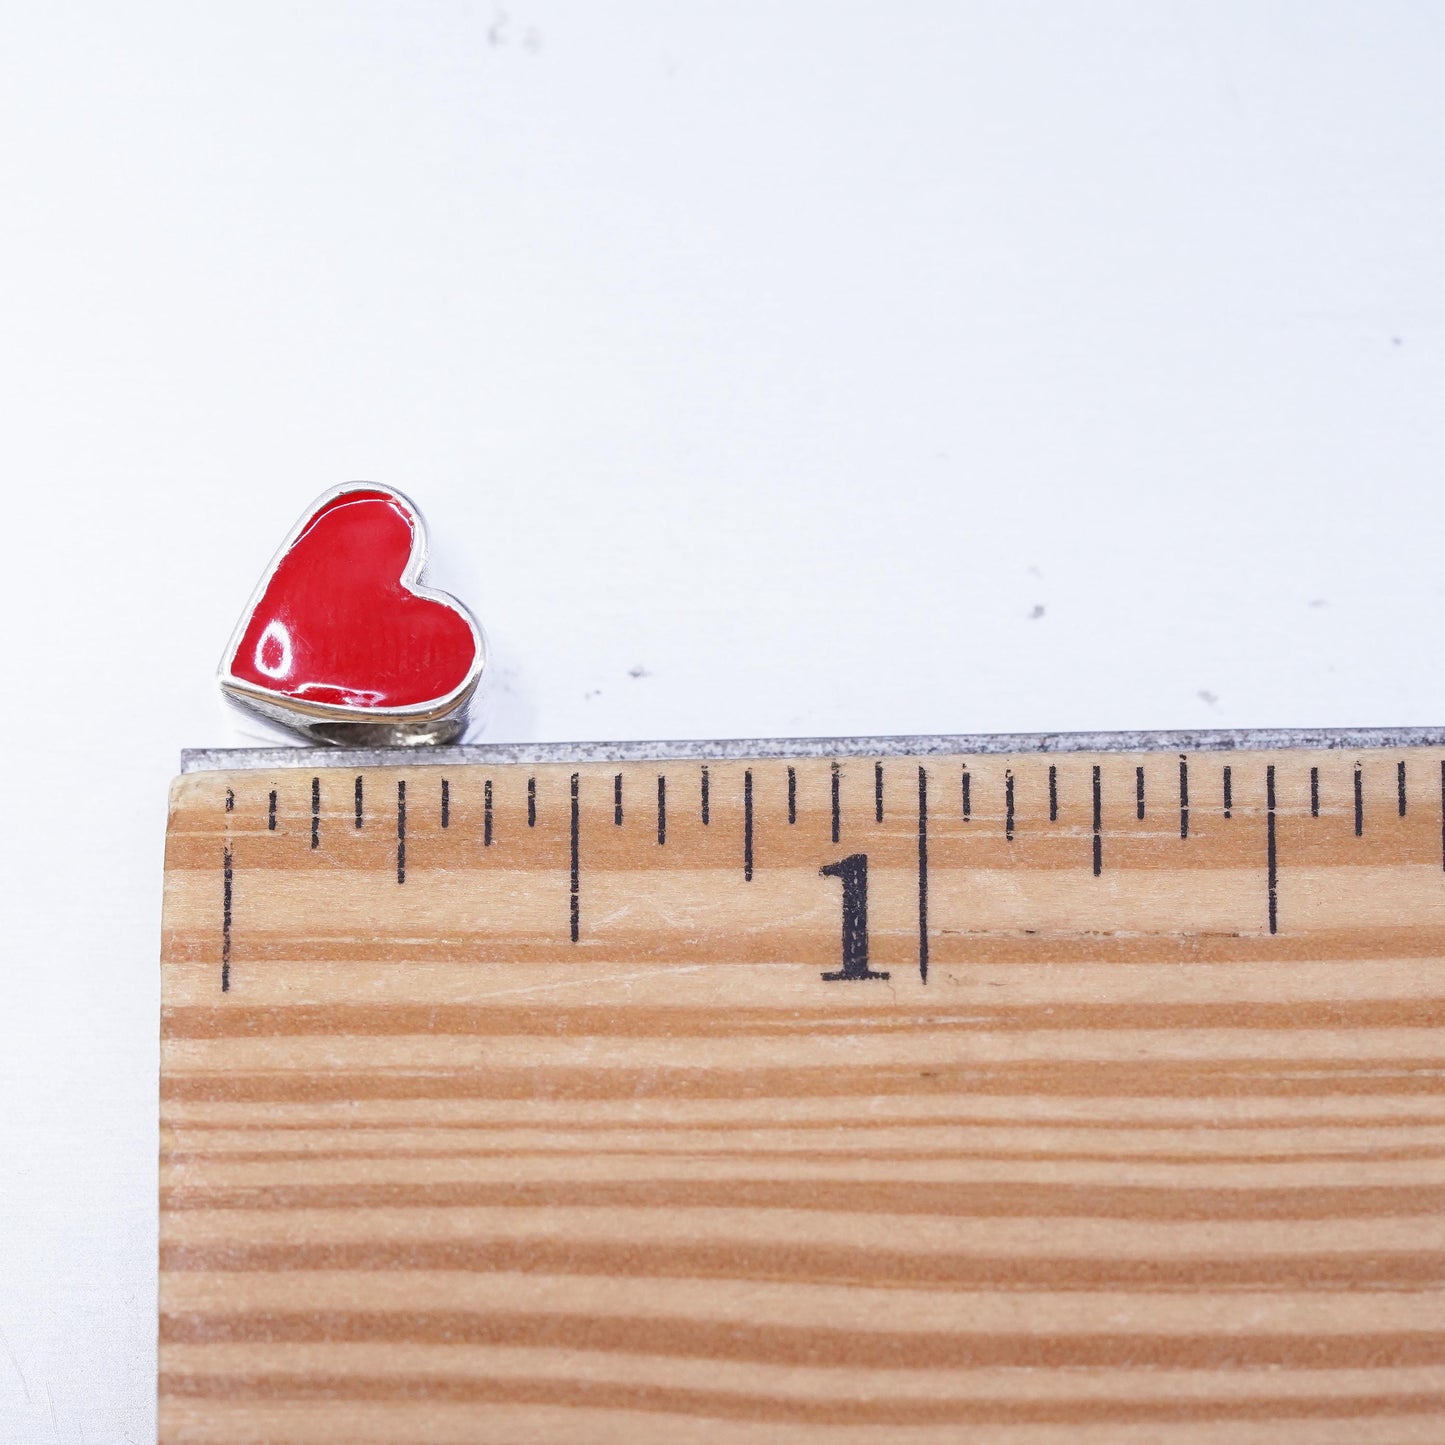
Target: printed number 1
853, 871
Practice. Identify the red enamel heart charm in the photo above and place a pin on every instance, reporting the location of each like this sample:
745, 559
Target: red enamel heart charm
341, 640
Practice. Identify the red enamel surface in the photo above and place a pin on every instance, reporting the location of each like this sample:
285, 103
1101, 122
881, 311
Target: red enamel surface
336, 625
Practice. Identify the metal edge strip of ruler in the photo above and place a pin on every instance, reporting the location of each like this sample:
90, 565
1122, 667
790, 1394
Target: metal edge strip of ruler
205, 760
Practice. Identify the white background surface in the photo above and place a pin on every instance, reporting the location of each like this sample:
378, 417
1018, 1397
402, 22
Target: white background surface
797, 354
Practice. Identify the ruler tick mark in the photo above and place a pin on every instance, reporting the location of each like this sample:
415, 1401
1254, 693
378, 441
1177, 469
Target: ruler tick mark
661, 808
1008, 805
575, 901
1314, 792
358, 800
226, 877
922, 873
315, 812
837, 804
1139, 793
1400, 784
1098, 822
1359, 801
617, 801
1053, 793
967, 801
1183, 796
1228, 790
705, 809
446, 803
271, 811
487, 813
230, 801
532, 802
1272, 851
401, 832
792, 795
748, 825
878, 792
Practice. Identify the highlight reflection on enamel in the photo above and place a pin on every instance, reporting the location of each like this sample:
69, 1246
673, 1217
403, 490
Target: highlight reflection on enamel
275, 643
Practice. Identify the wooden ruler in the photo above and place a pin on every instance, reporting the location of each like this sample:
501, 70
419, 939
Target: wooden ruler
1044, 1097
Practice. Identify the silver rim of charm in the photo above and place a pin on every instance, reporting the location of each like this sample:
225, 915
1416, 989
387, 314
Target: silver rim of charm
442, 720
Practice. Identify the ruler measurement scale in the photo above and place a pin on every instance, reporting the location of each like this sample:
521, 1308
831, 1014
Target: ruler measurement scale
853, 873
1029, 1097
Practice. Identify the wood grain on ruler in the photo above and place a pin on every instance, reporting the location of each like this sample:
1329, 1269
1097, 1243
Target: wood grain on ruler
571, 1103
